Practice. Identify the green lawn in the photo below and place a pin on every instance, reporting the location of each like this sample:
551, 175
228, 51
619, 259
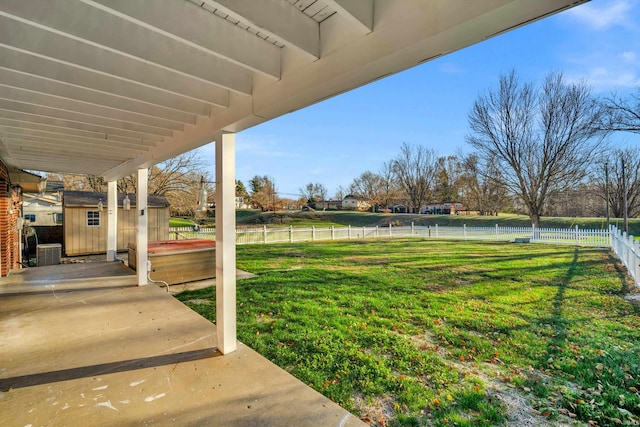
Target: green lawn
416, 332
180, 222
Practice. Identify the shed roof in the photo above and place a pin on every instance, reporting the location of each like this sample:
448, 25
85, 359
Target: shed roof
91, 199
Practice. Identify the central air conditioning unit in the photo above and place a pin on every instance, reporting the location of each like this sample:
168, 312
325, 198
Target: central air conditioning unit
48, 254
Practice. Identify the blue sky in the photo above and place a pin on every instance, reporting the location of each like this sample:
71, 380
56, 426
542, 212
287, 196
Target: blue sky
335, 141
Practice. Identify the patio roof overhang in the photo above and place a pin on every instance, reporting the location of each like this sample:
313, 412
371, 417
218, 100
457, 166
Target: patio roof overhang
105, 87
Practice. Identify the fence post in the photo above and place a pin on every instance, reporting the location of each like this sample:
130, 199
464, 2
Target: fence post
349, 231
313, 233
436, 230
413, 230
333, 233
577, 236
610, 235
377, 235
264, 234
464, 231
390, 234
630, 255
497, 238
636, 249
291, 234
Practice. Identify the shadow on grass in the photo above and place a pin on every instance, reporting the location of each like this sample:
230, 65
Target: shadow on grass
557, 318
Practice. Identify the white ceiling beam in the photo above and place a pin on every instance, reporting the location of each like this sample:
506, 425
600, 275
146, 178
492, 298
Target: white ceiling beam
32, 121
22, 152
71, 133
80, 117
36, 41
24, 142
79, 22
57, 138
278, 19
40, 99
56, 71
206, 32
239, 112
59, 166
44, 86
358, 12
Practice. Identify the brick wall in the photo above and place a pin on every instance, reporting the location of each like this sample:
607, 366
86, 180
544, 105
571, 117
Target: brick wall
9, 212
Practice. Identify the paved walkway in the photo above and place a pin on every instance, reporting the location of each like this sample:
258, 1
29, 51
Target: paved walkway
80, 344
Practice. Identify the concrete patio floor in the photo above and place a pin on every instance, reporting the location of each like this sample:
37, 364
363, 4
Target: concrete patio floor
80, 344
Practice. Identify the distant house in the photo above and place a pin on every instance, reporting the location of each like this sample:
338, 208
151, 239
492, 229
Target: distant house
44, 208
328, 204
443, 208
241, 204
85, 224
352, 203
398, 208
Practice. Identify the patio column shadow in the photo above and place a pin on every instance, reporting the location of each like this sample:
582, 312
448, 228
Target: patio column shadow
106, 368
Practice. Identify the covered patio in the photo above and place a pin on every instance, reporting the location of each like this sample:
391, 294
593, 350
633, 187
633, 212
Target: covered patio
83, 343
110, 88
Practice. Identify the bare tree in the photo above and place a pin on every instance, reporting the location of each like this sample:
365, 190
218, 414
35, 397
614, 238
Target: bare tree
173, 175
178, 179
314, 192
447, 174
481, 187
391, 192
369, 187
340, 193
614, 160
542, 139
623, 114
415, 170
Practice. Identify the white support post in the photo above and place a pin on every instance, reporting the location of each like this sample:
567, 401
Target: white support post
141, 230
225, 242
112, 220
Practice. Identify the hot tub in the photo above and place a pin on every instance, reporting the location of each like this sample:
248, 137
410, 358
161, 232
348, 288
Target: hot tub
179, 261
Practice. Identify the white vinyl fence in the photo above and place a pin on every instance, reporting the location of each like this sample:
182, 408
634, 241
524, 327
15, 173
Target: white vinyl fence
628, 251
625, 247
264, 234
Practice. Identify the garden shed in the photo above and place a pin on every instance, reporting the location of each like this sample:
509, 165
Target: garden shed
85, 221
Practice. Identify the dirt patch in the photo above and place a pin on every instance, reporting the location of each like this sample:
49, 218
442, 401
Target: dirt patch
519, 405
198, 301
376, 410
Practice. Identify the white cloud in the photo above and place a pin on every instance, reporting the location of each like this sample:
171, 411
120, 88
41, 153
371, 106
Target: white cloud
262, 146
451, 68
605, 15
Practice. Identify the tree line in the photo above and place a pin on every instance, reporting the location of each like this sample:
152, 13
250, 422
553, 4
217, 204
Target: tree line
539, 149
